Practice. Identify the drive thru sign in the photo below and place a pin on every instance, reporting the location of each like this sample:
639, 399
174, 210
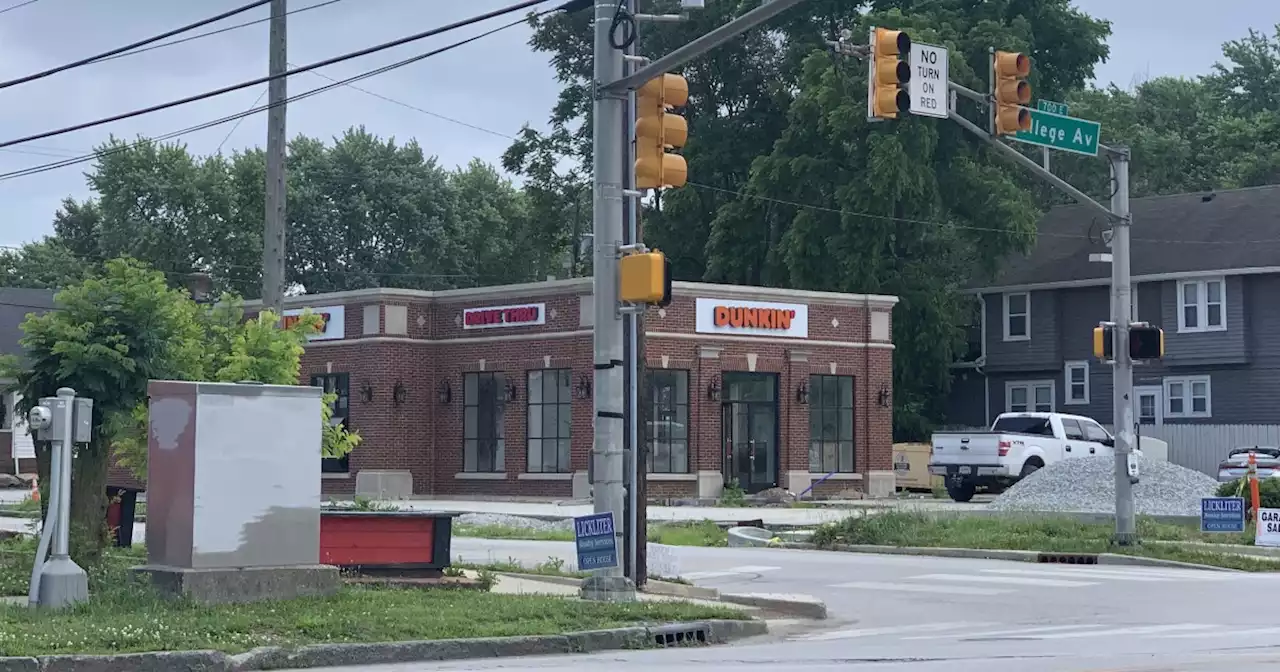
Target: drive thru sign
928, 84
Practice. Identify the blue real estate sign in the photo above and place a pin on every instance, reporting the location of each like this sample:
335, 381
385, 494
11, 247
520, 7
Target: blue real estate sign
597, 544
1222, 514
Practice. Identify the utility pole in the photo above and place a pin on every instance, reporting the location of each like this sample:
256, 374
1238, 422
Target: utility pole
609, 113
630, 324
1122, 368
273, 250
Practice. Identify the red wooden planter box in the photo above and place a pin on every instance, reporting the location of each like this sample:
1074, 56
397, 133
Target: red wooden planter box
386, 539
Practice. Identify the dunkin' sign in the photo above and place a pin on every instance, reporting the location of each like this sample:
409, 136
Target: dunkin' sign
752, 318
526, 315
332, 318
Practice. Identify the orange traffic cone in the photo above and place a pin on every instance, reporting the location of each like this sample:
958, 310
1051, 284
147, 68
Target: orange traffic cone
35, 488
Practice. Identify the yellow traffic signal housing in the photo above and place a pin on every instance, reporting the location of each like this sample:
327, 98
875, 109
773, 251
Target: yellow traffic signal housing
889, 73
1146, 342
1009, 72
659, 129
1103, 343
645, 279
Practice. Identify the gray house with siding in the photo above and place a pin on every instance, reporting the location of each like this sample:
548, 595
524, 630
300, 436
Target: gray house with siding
1206, 268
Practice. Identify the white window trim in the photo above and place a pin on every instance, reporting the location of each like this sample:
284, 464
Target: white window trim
1005, 313
1186, 382
1133, 305
1202, 305
1066, 383
1031, 386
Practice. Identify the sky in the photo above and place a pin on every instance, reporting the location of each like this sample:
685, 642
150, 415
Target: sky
460, 105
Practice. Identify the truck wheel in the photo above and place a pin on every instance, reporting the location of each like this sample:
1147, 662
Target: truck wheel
1028, 469
962, 491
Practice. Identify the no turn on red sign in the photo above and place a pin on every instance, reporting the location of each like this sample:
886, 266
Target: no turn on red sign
928, 85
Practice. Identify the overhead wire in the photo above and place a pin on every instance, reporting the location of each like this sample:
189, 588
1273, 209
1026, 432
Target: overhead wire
20, 5
134, 45
524, 4
41, 168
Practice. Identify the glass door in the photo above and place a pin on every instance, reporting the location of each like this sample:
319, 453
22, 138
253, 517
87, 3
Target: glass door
749, 421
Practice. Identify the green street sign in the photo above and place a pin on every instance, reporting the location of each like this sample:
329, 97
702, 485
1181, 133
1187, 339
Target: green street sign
1052, 107
1058, 131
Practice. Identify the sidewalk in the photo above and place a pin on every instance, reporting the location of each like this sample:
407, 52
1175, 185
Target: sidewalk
770, 515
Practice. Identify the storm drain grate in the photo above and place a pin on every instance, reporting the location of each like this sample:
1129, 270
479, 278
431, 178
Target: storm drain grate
680, 636
1068, 558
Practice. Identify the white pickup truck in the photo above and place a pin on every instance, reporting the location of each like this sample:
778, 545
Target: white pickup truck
1015, 447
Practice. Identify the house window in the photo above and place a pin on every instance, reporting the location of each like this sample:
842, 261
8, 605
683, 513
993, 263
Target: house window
338, 384
483, 435
1187, 397
667, 429
1076, 378
831, 424
1017, 316
1024, 397
550, 420
1202, 305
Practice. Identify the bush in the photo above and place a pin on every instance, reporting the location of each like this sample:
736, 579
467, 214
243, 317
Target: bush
1268, 492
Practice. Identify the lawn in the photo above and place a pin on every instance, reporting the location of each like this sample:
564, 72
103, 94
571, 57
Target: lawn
702, 533
125, 615
1036, 533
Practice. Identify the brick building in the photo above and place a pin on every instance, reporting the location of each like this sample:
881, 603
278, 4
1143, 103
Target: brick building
17, 451
488, 391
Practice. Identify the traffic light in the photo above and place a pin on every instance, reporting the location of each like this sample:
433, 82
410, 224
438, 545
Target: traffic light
1146, 342
659, 129
645, 278
1009, 71
1103, 343
890, 72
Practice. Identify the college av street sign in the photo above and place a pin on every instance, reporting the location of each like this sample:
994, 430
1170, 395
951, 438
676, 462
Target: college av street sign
1058, 131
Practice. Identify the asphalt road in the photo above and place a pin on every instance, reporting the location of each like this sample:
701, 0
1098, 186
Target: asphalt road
969, 614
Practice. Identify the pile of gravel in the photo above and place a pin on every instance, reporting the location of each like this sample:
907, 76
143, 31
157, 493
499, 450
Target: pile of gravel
1087, 484
505, 520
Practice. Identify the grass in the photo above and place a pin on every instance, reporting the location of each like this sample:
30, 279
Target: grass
125, 615
1038, 533
701, 533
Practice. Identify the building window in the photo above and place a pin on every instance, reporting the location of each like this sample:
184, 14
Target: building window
550, 421
1187, 397
1076, 378
7, 403
338, 384
483, 434
1017, 316
831, 424
667, 429
1025, 397
1202, 305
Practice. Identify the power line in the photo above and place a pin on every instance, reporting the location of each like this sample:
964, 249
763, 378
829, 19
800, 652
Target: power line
17, 6
237, 124
33, 170
219, 31
134, 45
524, 4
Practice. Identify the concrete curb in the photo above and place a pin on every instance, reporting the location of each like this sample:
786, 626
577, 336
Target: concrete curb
1028, 556
337, 655
545, 578
680, 590
801, 606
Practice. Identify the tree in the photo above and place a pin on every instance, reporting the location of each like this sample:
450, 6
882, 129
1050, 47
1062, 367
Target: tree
46, 264
107, 337
117, 330
791, 187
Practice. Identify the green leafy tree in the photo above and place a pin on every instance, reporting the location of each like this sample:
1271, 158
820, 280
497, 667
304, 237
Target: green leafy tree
109, 335
46, 264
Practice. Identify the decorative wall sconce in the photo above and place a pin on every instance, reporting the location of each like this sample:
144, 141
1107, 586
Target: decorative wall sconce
802, 393
366, 393
445, 393
884, 396
713, 389
399, 394
512, 392
582, 389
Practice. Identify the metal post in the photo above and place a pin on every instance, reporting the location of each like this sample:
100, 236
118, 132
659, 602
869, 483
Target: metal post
1126, 526
62, 582
609, 112
273, 250
630, 323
